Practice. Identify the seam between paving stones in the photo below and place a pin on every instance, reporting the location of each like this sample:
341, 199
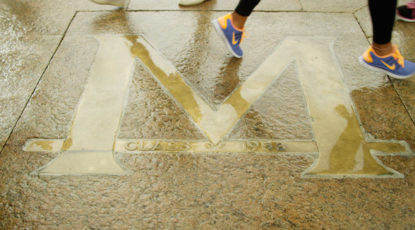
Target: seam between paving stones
37, 83
301, 4
402, 101
360, 25
354, 12
128, 4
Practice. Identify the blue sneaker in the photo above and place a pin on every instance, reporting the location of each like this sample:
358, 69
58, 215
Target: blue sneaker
393, 65
229, 34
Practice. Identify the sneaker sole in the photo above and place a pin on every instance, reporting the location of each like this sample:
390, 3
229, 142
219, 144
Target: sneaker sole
222, 36
403, 18
363, 63
196, 2
119, 3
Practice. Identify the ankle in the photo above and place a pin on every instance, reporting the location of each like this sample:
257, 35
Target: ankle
383, 49
238, 20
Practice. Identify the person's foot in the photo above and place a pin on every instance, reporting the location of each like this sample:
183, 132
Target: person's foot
231, 36
407, 12
190, 2
119, 3
393, 64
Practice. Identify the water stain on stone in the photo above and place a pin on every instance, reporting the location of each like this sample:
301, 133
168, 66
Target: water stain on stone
238, 102
67, 144
351, 154
228, 80
45, 145
175, 84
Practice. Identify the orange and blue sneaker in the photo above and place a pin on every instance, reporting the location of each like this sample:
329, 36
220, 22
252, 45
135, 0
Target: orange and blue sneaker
393, 64
231, 36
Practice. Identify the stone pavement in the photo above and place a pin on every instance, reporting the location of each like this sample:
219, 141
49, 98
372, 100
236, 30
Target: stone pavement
140, 119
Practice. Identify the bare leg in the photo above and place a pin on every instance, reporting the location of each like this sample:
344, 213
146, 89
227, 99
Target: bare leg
239, 20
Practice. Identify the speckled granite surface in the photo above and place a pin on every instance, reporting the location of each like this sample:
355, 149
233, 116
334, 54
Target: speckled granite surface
205, 192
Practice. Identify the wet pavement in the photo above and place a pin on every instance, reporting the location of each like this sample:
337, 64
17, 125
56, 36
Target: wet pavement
140, 119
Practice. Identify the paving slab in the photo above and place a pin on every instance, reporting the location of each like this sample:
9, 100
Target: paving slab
20, 76
46, 16
30, 30
23, 58
128, 129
